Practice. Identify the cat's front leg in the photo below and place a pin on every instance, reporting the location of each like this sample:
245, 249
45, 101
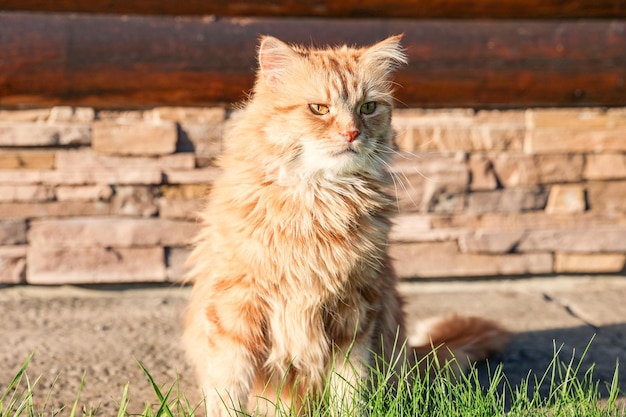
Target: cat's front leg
350, 370
224, 347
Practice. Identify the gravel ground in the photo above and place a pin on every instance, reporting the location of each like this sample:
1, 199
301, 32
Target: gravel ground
101, 332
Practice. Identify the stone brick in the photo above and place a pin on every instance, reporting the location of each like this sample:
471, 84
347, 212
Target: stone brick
525, 220
571, 140
12, 264
204, 140
609, 239
583, 263
110, 232
512, 200
185, 191
175, 261
566, 199
611, 166
177, 208
84, 193
92, 265
135, 201
40, 134
71, 114
86, 159
137, 138
517, 170
607, 197
120, 175
122, 116
15, 193
12, 232
489, 241
205, 115
53, 209
406, 226
440, 260
583, 119
482, 175
195, 176
431, 183
39, 160
22, 176
25, 115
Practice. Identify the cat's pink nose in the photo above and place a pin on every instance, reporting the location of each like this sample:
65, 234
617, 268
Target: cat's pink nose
350, 135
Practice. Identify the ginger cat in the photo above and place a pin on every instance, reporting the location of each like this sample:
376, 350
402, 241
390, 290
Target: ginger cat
293, 288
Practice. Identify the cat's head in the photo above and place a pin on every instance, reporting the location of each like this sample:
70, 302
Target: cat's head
331, 108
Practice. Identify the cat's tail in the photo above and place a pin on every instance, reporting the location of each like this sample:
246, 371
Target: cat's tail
459, 338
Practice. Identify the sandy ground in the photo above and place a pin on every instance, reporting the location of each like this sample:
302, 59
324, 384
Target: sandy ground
100, 332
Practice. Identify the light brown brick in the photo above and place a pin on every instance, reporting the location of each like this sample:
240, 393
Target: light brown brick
525, 220
185, 191
191, 176
134, 201
41, 134
136, 138
430, 183
178, 208
110, 232
489, 241
585, 263
81, 265
71, 114
12, 264
406, 226
84, 193
53, 209
566, 199
120, 175
482, 173
12, 232
25, 115
439, 260
512, 200
17, 193
584, 119
611, 166
609, 239
175, 261
205, 115
571, 140
87, 159
607, 197
40, 160
204, 140
517, 170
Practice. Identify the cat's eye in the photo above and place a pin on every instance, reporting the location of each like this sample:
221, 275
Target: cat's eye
318, 109
368, 108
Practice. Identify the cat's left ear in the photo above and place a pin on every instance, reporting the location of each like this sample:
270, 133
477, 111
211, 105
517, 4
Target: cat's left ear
275, 59
388, 54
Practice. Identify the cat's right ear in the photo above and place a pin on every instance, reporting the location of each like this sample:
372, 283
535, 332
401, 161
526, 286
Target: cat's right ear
275, 59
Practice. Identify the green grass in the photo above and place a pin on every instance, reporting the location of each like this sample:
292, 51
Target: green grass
563, 390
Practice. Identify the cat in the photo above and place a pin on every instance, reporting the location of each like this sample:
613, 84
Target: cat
290, 269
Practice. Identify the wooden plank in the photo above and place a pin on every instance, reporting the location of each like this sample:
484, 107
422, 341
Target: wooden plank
108, 61
460, 9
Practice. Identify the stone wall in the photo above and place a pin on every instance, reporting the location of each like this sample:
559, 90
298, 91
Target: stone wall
107, 196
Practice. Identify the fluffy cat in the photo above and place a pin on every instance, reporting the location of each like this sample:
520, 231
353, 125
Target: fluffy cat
290, 270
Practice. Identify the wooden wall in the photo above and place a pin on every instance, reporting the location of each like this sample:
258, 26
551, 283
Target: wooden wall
139, 53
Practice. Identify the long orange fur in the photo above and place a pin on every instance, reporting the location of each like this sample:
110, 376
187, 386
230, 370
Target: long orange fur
290, 271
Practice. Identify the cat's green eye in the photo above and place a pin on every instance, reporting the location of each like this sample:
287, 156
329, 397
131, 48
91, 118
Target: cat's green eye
368, 108
318, 109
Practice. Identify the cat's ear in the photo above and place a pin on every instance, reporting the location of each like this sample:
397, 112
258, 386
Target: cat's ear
275, 59
388, 54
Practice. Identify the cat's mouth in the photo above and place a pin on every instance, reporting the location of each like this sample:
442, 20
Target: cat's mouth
349, 150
